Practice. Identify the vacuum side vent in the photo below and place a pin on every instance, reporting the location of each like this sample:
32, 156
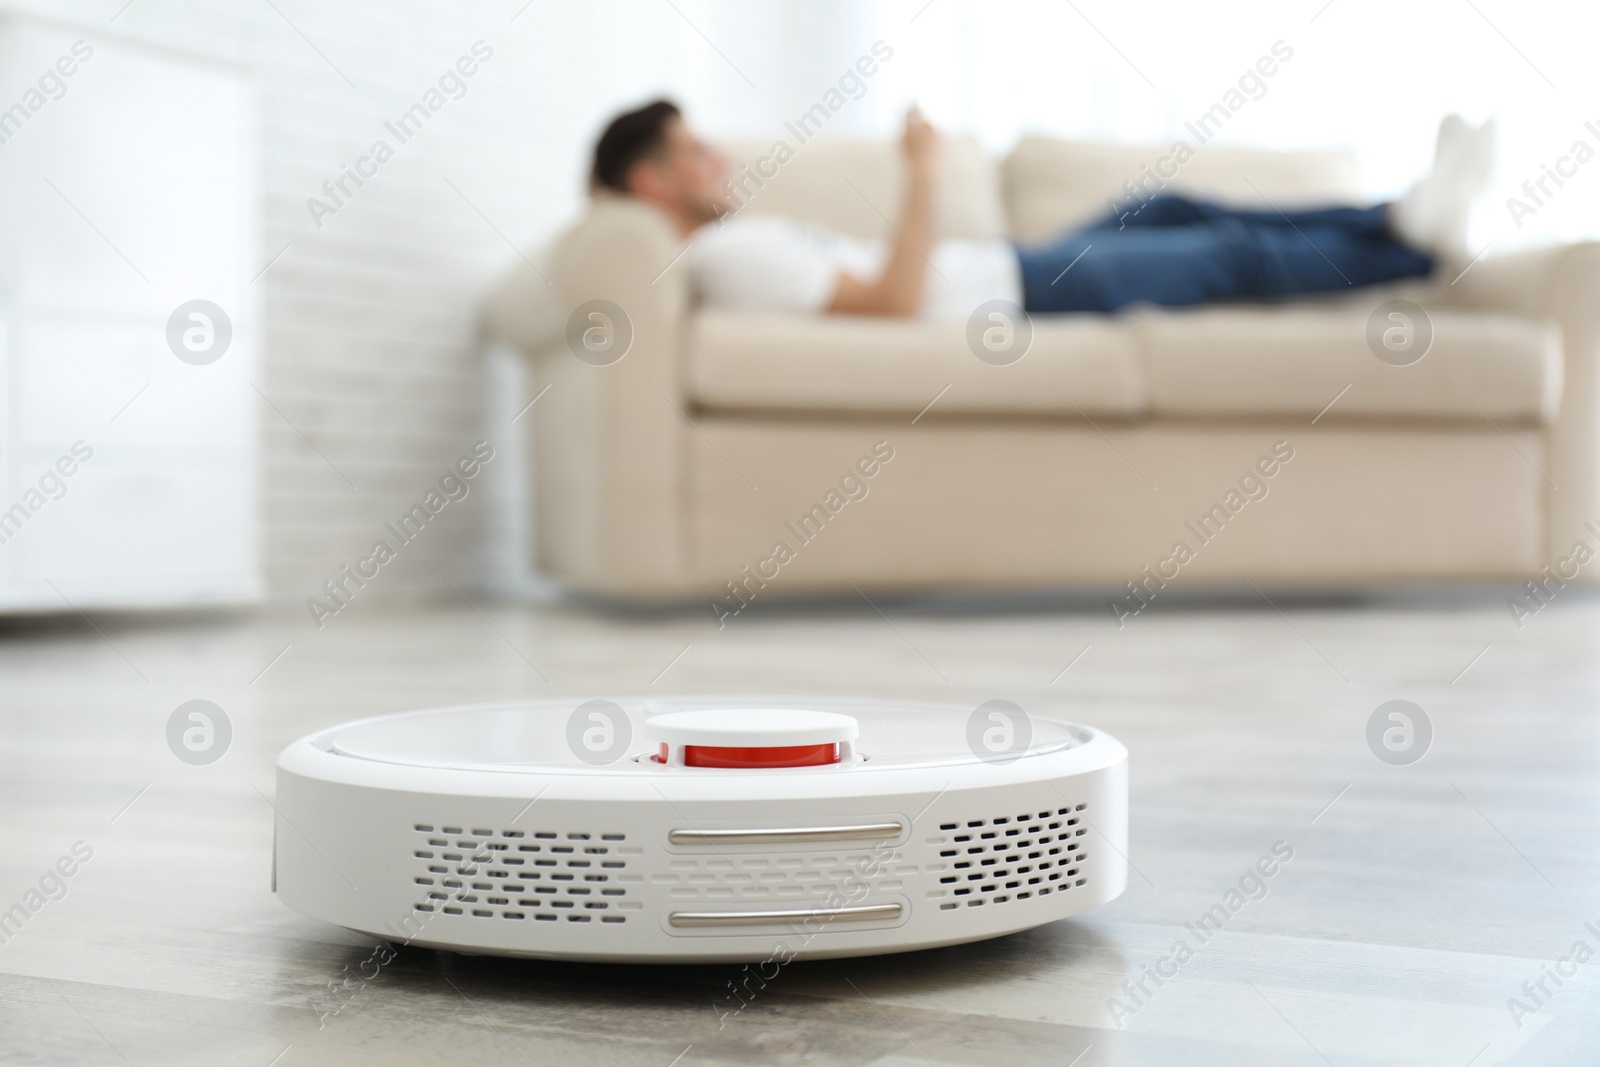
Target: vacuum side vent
522, 875
1008, 859
809, 879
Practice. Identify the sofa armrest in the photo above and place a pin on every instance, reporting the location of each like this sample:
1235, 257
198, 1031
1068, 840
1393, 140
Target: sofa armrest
608, 437
1561, 284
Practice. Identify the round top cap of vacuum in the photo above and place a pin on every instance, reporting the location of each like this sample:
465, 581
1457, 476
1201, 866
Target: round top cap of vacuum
741, 726
739, 738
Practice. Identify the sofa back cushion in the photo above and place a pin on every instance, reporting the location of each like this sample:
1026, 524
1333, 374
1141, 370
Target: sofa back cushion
1051, 184
813, 182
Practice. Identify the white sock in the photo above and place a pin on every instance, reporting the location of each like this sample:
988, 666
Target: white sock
1432, 216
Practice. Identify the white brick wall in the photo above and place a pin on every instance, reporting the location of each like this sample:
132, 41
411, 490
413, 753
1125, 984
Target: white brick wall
369, 343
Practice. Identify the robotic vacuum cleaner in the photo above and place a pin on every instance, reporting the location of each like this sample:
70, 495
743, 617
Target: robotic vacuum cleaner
700, 830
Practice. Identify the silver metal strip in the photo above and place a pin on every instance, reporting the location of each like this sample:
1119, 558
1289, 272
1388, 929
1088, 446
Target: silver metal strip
778, 835
862, 913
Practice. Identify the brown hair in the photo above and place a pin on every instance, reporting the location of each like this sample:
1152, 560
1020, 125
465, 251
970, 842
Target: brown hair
630, 137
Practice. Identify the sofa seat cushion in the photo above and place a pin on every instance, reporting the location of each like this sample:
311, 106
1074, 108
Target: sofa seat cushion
1233, 361
1076, 366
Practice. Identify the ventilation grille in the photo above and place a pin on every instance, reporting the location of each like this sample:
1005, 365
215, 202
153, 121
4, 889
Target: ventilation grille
785, 877
523, 875
1010, 858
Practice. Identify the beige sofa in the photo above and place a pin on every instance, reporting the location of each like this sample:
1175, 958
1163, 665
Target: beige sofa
728, 455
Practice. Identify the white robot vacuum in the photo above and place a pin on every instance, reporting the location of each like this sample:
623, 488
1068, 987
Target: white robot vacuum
700, 830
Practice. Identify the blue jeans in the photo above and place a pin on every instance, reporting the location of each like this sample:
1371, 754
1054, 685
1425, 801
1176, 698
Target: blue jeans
1175, 251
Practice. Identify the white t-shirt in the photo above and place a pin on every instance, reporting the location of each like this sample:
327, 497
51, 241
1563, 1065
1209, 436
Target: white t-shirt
770, 263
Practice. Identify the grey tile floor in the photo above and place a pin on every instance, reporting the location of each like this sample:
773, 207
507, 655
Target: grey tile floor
1418, 901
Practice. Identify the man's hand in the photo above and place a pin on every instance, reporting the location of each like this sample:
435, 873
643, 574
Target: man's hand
898, 289
920, 143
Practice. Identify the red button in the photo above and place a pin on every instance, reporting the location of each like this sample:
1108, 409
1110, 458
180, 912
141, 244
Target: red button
784, 756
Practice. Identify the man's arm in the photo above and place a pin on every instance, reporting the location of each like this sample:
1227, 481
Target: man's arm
898, 289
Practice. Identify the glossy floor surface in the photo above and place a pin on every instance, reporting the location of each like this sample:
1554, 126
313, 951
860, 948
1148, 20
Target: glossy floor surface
1441, 911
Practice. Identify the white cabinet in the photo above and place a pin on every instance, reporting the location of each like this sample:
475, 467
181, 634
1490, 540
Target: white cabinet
128, 179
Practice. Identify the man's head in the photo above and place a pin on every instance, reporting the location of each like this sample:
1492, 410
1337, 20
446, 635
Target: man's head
651, 154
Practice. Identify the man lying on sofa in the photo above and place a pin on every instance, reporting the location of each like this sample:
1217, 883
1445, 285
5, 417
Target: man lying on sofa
1172, 251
